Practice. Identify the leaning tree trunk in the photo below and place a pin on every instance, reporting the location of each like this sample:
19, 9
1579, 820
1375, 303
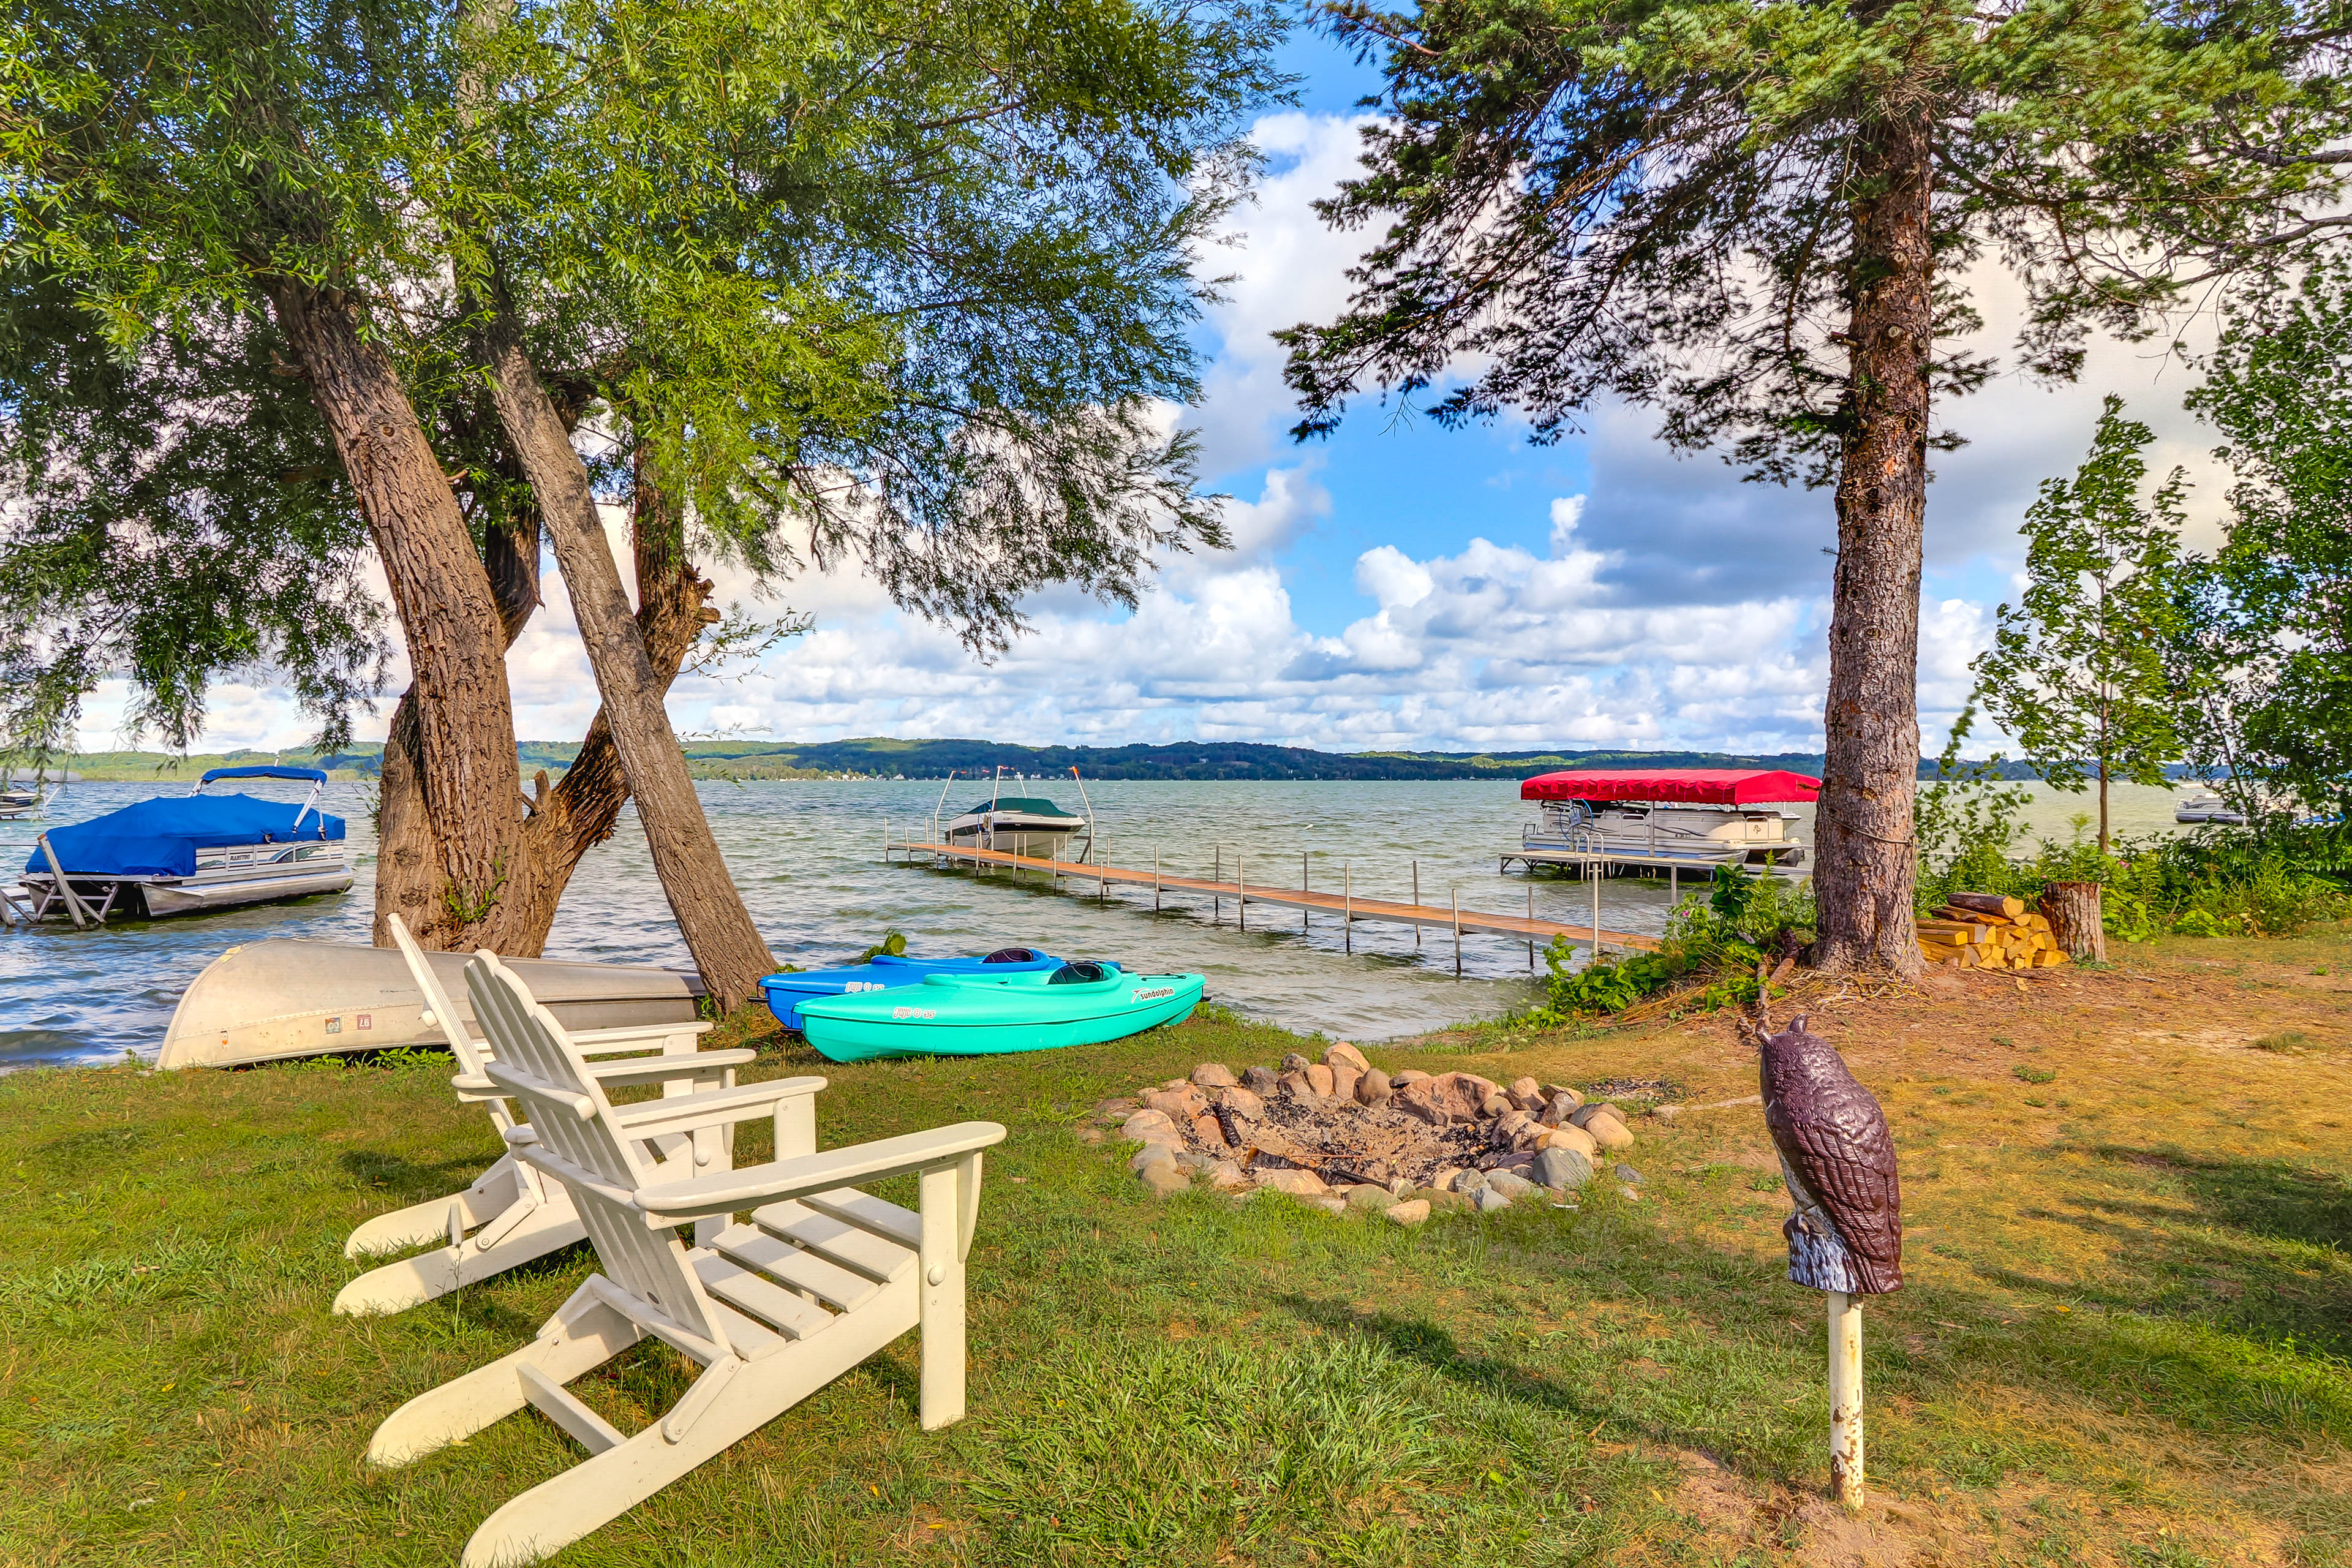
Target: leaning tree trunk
726, 947
1867, 857
457, 827
580, 813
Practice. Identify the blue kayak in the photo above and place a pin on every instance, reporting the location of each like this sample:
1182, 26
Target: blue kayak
787, 992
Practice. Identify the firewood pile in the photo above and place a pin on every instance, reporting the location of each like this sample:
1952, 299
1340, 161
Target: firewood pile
1991, 931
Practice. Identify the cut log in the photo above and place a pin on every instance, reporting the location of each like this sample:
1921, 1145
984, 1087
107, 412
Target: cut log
1962, 931
1999, 904
2074, 909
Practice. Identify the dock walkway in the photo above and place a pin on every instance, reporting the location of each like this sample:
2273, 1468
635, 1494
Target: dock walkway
1345, 905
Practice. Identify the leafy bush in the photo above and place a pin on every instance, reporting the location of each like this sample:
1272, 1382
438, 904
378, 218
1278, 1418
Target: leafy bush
1722, 934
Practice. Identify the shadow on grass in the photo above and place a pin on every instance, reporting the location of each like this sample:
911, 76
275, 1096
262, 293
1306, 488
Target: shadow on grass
404, 1182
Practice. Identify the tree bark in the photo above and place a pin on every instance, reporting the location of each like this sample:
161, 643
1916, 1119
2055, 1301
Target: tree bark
580, 813
456, 824
726, 947
1866, 850
2075, 920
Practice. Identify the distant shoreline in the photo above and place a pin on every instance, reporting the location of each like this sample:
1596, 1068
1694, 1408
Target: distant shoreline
892, 759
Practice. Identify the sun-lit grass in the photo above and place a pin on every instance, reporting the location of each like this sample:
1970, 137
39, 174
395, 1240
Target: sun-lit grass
2126, 1335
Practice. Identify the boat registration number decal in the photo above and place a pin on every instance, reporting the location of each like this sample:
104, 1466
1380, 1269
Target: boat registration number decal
1154, 993
914, 1013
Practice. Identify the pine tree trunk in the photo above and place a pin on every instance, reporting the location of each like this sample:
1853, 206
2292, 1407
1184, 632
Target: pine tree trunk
2075, 921
1866, 852
453, 833
726, 947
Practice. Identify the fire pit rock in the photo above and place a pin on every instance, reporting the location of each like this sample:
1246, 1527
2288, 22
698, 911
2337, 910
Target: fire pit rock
1345, 1136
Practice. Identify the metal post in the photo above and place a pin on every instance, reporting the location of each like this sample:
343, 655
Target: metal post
1416, 901
1302, 892
1845, 1398
1102, 868
1217, 903
1531, 921
1240, 891
1348, 904
1596, 911
1674, 885
73, 900
1457, 931
1155, 882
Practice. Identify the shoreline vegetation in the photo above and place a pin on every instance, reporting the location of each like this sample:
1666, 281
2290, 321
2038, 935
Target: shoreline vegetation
887, 758
2124, 1338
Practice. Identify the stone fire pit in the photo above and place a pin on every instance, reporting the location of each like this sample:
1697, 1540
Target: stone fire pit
1341, 1135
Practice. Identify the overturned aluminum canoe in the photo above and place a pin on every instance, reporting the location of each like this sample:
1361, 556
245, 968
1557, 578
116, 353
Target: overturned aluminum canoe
266, 1001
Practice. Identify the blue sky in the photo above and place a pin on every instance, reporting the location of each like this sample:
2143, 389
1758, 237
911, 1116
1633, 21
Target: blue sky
1399, 584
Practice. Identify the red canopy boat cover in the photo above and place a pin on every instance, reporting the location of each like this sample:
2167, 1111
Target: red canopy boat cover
1695, 786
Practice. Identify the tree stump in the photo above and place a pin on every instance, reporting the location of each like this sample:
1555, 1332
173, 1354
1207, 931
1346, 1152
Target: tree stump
2074, 911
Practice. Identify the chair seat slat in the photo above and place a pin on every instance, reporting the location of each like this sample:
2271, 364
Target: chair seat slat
868, 1212
762, 1297
830, 1283
875, 1257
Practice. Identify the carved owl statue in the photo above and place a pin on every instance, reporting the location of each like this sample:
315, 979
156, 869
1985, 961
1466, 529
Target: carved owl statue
1839, 1162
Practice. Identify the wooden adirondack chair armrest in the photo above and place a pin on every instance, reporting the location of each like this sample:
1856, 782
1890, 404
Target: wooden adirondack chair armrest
711, 1107
638, 1036
627, 1072
725, 1191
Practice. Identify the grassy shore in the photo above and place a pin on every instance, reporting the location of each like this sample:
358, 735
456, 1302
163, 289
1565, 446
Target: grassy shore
2126, 1338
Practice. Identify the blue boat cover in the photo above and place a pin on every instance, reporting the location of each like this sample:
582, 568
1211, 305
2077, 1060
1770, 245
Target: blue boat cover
160, 838
265, 770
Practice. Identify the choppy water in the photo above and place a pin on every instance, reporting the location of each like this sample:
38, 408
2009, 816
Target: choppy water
808, 856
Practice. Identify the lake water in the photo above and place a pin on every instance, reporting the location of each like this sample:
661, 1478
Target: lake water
808, 856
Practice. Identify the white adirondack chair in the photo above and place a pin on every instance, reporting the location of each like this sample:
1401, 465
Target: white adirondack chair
822, 1277
511, 1215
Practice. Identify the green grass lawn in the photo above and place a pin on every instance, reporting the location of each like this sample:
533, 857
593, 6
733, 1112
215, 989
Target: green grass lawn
2126, 1338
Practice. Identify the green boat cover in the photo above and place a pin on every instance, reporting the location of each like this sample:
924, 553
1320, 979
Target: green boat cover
982, 1015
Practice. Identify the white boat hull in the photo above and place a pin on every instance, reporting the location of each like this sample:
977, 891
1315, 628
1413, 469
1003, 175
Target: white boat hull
269, 1001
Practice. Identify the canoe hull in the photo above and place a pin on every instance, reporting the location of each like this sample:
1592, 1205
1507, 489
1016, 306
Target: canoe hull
970, 1019
269, 1001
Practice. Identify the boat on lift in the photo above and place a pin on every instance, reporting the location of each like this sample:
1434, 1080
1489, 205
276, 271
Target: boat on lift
179, 855
1028, 826
2207, 805
1663, 818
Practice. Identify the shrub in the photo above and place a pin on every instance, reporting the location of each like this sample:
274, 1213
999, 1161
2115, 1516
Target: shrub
1721, 935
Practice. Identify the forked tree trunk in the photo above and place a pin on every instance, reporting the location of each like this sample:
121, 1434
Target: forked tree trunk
580, 813
726, 947
1866, 853
457, 824
405, 877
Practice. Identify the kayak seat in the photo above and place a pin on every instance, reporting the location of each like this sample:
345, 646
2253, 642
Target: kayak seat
1079, 974
1011, 955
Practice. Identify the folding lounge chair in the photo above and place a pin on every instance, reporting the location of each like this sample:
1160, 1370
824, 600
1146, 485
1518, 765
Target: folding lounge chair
822, 1277
511, 1215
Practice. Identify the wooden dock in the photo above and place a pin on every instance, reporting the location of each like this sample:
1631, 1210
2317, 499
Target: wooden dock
1344, 905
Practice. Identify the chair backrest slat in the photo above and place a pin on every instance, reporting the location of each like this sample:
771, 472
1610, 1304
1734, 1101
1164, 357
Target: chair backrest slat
648, 1264
436, 998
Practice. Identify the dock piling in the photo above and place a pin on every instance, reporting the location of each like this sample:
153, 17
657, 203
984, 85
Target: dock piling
1456, 893
1240, 891
1155, 882
1416, 901
1348, 904
1531, 917
1302, 888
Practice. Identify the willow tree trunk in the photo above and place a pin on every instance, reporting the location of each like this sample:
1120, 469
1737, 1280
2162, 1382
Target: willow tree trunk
1865, 857
726, 947
463, 836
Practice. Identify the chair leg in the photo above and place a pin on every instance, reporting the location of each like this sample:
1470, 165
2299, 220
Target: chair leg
597, 1491
441, 1416
552, 1225
491, 1193
940, 1280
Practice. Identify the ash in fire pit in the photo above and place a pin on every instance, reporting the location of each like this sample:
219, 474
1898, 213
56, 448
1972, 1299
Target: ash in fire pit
1342, 1134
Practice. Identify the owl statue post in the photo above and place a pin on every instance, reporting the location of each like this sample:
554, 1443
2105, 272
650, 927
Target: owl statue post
1847, 1237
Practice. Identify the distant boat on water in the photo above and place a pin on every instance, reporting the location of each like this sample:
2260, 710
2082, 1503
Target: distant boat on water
2205, 805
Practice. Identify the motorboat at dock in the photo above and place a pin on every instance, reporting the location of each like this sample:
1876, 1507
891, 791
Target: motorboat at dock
1663, 818
177, 854
2207, 805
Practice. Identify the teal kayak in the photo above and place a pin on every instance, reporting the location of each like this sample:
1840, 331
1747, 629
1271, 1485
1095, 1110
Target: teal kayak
980, 1014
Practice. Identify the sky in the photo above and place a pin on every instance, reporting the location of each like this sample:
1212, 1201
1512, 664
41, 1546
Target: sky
1398, 585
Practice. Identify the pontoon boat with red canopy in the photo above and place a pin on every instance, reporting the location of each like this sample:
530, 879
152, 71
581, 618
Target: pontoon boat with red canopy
1666, 816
